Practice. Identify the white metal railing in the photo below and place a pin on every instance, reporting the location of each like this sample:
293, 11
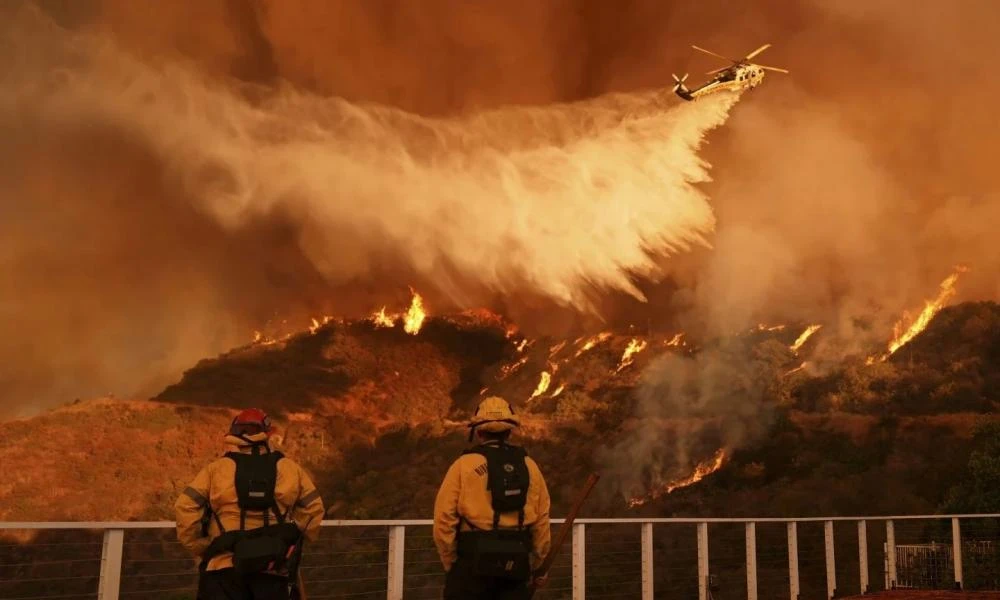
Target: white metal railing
110, 577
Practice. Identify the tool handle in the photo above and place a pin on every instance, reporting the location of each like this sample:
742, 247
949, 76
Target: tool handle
567, 525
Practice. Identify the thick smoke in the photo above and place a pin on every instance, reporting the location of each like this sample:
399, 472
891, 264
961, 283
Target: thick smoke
562, 201
689, 407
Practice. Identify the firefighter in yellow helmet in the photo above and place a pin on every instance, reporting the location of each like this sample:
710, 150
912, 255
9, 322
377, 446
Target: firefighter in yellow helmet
491, 515
245, 516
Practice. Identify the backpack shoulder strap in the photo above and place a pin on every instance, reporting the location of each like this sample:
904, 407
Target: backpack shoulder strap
276, 456
238, 458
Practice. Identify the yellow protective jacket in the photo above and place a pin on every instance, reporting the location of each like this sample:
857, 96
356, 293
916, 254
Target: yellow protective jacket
463, 493
215, 486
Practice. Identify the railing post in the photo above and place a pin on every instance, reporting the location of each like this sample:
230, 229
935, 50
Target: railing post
956, 549
863, 554
579, 561
793, 560
397, 557
890, 553
647, 561
702, 561
831, 560
751, 539
111, 564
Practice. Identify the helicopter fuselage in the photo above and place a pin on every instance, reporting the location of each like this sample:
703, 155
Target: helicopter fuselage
736, 78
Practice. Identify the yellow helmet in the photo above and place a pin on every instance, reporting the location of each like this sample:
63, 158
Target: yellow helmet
494, 414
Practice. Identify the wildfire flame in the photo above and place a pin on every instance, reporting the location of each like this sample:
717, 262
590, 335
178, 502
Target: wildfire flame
558, 391
383, 320
556, 348
702, 470
543, 384
521, 346
763, 327
931, 308
804, 337
593, 341
901, 337
316, 324
635, 346
413, 318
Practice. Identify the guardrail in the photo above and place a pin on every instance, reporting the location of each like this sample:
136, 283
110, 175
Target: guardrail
609, 558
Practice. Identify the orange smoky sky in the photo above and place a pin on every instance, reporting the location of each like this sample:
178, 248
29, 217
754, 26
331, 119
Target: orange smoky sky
147, 219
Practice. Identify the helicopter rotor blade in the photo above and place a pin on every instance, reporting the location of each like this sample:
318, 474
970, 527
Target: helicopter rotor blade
713, 54
756, 52
773, 69
714, 71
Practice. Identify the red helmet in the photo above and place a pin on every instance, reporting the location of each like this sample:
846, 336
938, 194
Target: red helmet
249, 422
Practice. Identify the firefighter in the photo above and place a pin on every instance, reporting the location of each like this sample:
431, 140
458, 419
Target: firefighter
491, 515
246, 516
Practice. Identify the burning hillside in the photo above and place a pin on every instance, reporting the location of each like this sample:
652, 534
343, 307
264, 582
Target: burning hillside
659, 414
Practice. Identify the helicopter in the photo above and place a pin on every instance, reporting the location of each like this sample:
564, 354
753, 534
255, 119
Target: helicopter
740, 75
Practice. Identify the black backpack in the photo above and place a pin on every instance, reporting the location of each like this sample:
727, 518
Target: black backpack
507, 479
264, 548
497, 552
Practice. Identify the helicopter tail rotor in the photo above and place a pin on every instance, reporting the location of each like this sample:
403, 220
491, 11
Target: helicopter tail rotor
679, 85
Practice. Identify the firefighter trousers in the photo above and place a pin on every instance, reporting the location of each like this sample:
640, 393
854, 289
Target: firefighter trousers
462, 583
226, 584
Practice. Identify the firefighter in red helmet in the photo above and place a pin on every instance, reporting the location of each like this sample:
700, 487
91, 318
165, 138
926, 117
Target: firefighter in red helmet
246, 514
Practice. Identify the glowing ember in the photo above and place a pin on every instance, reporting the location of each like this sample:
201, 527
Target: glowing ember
593, 341
763, 327
260, 339
383, 320
797, 369
802, 339
543, 384
558, 391
508, 369
415, 316
701, 471
556, 348
677, 340
635, 346
522, 345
